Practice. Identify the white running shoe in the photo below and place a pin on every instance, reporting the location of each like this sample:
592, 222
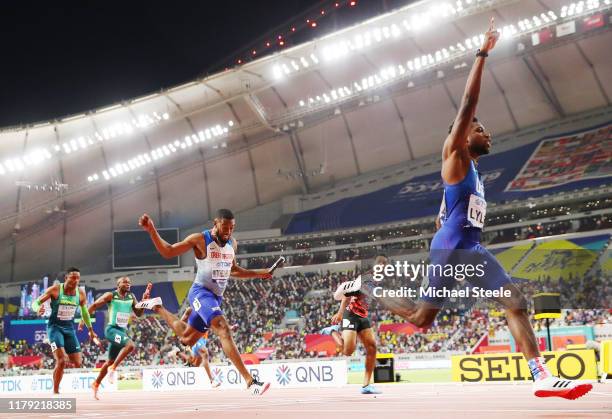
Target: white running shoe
150, 304
347, 287
258, 388
215, 384
557, 387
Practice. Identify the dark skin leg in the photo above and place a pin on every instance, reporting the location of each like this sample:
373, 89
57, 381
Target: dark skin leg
369, 342
187, 334
125, 351
104, 371
350, 342
421, 313
76, 359
518, 322
337, 337
203, 362
60, 364
58, 372
220, 327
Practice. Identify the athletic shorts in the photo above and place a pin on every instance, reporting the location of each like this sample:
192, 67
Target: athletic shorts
206, 306
330, 329
201, 343
117, 338
456, 247
63, 337
353, 322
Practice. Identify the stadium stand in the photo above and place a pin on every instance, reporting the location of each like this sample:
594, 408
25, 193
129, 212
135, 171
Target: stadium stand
554, 166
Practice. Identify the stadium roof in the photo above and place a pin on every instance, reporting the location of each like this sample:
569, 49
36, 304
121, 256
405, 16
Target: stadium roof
370, 96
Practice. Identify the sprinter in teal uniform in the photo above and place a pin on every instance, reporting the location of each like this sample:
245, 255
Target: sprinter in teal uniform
65, 299
121, 303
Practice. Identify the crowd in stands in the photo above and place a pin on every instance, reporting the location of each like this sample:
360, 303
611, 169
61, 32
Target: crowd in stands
278, 313
414, 244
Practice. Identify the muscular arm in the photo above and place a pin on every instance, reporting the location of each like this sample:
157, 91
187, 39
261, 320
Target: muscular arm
455, 155
343, 304
104, 299
51, 292
457, 139
164, 248
168, 250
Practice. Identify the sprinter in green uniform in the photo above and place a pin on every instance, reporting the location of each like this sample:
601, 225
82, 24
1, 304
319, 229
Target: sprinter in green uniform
65, 299
121, 303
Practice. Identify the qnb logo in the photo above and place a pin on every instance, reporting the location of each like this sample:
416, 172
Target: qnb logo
75, 383
283, 375
158, 379
217, 375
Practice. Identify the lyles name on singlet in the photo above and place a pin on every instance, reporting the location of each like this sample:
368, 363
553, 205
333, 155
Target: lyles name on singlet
477, 206
477, 210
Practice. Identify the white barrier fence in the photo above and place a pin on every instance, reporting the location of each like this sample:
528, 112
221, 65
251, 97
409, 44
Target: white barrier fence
283, 375
71, 383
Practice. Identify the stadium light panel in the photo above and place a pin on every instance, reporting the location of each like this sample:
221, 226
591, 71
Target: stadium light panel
167, 149
423, 62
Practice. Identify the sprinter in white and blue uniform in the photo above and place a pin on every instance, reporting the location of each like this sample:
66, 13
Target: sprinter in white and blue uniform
212, 274
457, 242
215, 256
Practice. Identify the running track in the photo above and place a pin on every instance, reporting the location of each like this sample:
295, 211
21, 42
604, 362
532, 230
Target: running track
398, 401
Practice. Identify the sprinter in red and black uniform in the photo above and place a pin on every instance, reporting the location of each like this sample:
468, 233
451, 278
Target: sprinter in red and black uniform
355, 319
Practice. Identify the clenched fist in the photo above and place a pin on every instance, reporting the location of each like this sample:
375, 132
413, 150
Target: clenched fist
146, 223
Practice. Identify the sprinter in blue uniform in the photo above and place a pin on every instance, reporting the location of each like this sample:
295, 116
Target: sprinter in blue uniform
457, 242
214, 252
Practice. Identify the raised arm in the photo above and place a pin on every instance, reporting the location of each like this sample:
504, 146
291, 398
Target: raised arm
455, 154
106, 298
456, 140
241, 273
164, 248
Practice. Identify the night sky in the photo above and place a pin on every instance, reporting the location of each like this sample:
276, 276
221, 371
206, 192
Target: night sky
66, 57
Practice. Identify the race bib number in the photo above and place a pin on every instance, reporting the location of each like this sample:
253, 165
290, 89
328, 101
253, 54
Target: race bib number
220, 274
117, 338
123, 319
477, 209
65, 312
